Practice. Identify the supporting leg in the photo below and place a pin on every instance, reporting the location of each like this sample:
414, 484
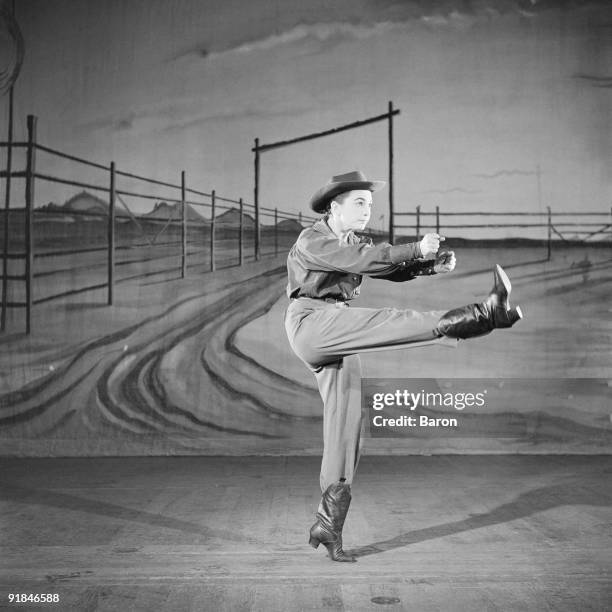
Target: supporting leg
340, 388
327, 339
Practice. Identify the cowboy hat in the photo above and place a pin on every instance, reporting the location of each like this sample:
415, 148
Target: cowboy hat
339, 184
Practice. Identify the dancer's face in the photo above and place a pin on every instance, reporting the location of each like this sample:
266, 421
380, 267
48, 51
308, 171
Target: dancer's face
351, 210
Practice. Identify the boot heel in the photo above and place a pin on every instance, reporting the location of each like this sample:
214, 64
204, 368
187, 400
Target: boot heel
314, 542
514, 315
507, 318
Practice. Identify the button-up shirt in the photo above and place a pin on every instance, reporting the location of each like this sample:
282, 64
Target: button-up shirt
321, 265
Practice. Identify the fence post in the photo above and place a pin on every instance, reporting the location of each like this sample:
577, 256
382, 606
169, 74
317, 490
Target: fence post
391, 207
300, 217
212, 232
418, 222
241, 233
183, 225
7, 205
549, 244
29, 213
257, 232
275, 231
437, 219
111, 234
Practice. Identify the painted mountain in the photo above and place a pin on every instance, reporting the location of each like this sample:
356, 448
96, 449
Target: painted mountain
87, 204
290, 225
232, 218
164, 211
82, 202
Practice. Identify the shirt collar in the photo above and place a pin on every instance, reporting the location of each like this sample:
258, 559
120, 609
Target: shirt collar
322, 227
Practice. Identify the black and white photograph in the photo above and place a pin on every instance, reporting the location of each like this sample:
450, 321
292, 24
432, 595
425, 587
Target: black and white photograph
306, 305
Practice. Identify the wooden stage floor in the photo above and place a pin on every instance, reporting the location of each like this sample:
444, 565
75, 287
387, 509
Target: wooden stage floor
213, 533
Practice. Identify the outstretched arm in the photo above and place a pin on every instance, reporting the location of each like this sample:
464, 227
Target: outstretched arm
323, 252
318, 251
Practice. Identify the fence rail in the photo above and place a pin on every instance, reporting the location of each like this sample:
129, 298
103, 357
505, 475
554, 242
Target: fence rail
183, 230
552, 225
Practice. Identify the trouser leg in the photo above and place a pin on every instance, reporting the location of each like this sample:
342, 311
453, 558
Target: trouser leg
322, 335
340, 388
328, 339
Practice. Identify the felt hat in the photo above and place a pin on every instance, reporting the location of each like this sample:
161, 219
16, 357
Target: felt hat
339, 184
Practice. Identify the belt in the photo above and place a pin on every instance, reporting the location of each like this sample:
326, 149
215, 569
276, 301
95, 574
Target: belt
337, 302
329, 300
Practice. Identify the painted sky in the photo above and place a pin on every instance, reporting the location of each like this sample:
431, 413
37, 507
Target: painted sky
488, 91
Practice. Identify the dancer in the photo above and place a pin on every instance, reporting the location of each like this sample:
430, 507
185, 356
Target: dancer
325, 267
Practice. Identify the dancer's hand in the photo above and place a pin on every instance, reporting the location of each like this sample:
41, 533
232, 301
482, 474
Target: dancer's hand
430, 245
445, 262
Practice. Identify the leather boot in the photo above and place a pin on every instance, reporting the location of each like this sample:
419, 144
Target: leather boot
331, 514
476, 320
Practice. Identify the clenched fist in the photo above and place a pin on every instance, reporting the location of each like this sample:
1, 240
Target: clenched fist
445, 262
430, 245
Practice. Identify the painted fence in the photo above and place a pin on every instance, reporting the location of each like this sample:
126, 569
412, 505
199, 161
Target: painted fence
563, 227
180, 235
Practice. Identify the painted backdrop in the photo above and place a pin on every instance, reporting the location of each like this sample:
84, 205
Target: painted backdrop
505, 108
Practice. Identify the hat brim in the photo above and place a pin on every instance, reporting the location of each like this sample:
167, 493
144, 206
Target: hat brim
323, 196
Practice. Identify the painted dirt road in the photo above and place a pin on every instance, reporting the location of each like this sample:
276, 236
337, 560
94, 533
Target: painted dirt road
202, 366
174, 382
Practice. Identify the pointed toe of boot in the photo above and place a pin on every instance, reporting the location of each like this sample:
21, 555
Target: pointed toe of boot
500, 293
501, 278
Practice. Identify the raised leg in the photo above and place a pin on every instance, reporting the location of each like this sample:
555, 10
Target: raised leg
325, 334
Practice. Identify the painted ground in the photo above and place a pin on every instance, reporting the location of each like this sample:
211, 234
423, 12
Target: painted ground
203, 365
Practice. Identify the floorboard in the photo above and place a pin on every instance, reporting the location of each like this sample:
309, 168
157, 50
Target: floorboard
514, 532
